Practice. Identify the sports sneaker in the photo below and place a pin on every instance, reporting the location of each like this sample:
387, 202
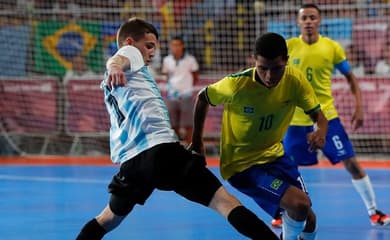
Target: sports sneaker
379, 218
277, 222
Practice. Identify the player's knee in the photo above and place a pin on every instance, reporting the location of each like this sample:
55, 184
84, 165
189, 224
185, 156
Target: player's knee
299, 206
354, 168
120, 206
302, 206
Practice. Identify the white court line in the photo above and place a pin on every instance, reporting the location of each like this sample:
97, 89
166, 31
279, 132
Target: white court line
50, 179
344, 185
86, 180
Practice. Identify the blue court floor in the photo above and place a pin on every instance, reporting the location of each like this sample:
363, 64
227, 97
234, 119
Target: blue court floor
53, 202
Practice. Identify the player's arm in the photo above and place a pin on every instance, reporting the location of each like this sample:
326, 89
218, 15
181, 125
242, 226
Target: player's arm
116, 67
164, 69
358, 116
220, 92
200, 111
127, 58
195, 71
195, 77
317, 138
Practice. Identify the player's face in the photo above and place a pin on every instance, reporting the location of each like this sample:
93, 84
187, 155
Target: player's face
309, 21
270, 71
177, 48
147, 46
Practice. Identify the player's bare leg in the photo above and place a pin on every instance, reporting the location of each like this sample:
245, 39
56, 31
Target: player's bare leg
243, 220
298, 218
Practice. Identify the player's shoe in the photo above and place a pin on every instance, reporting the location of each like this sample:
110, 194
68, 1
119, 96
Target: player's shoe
379, 219
277, 222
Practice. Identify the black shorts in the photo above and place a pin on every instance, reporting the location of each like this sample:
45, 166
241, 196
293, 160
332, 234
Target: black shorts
167, 166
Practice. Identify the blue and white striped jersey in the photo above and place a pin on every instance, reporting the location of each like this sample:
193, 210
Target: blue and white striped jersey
138, 115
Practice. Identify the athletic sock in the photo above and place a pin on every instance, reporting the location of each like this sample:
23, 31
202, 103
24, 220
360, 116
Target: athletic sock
248, 224
291, 229
364, 187
309, 236
91, 231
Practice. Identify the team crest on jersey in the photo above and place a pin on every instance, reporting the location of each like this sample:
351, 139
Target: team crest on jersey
296, 61
276, 184
249, 109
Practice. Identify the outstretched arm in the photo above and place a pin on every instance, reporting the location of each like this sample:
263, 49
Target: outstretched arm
317, 138
358, 116
200, 112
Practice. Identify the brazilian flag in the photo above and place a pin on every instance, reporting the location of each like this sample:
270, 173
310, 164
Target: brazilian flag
57, 42
108, 33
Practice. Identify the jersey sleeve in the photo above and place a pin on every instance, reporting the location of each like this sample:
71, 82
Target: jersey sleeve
134, 55
340, 59
220, 92
339, 53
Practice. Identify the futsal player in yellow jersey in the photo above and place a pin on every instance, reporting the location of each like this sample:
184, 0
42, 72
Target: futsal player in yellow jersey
258, 105
317, 56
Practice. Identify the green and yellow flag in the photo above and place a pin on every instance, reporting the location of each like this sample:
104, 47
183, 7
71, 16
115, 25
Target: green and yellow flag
56, 43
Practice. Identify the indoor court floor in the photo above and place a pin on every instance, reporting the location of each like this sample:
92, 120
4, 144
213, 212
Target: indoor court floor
53, 201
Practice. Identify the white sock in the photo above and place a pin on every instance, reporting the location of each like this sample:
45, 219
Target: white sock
291, 228
309, 236
364, 188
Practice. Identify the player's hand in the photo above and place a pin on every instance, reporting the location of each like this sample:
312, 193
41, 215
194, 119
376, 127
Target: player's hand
116, 76
357, 119
316, 140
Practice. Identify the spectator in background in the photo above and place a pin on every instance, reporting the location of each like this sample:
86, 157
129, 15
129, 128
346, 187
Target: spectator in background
155, 64
79, 68
66, 10
86, 122
382, 67
182, 70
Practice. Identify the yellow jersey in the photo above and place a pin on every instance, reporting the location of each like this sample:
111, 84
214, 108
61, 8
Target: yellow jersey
317, 62
255, 118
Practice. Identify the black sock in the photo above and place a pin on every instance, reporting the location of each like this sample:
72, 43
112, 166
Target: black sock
91, 231
248, 224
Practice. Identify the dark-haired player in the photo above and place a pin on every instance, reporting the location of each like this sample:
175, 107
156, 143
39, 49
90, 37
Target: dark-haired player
316, 56
259, 104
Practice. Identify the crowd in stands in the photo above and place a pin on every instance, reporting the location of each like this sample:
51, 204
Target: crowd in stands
216, 31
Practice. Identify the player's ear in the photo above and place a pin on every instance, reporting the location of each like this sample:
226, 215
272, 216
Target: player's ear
129, 41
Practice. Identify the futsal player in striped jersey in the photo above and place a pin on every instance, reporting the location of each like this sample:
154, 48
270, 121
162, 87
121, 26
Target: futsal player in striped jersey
143, 142
317, 56
258, 106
